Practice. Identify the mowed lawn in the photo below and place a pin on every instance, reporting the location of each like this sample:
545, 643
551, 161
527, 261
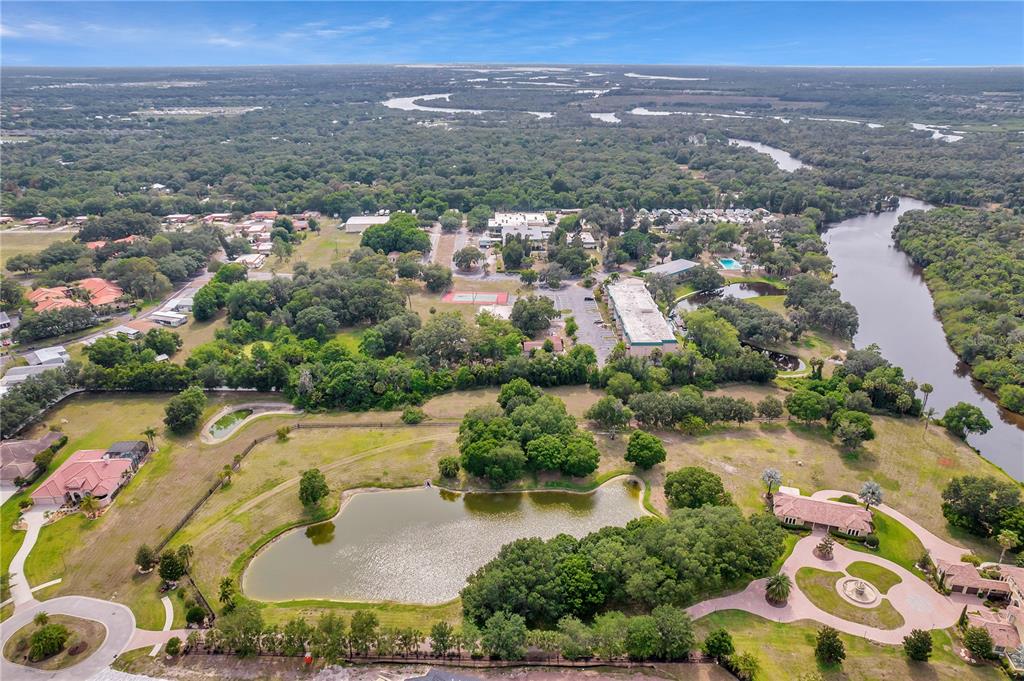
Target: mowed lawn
786, 651
318, 250
95, 557
820, 588
425, 301
19, 243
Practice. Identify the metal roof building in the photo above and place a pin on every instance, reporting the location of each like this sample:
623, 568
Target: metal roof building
671, 267
638, 317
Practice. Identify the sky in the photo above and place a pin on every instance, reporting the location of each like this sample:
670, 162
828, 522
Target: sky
808, 33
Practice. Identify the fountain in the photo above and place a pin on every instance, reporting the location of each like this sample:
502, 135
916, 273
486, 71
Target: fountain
858, 591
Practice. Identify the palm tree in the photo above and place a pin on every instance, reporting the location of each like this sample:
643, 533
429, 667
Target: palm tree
870, 494
1007, 540
929, 414
777, 588
185, 553
89, 505
927, 389
771, 478
150, 434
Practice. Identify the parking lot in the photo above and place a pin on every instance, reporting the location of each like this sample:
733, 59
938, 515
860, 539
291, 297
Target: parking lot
572, 297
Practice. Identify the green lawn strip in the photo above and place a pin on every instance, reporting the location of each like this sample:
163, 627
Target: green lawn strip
789, 543
390, 614
877, 575
785, 651
46, 561
125, 660
820, 588
895, 543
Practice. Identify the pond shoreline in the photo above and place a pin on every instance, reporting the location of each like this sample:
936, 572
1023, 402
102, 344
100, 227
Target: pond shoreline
244, 561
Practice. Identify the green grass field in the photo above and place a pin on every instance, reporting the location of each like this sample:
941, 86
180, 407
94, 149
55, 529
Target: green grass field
820, 588
19, 243
875, 574
895, 542
785, 651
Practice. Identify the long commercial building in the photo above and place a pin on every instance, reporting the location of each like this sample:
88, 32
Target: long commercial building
642, 325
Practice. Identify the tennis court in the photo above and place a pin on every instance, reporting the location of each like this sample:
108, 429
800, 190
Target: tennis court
475, 298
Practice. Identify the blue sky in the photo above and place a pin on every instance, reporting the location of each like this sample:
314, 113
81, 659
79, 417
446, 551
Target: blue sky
750, 33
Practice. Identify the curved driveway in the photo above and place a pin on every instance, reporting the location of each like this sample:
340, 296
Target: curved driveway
116, 618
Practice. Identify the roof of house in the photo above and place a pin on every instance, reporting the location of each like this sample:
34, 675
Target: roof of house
84, 471
45, 293
642, 322
95, 245
46, 355
968, 576
1004, 634
822, 512
671, 267
16, 455
17, 375
263, 215
101, 291
50, 304
556, 341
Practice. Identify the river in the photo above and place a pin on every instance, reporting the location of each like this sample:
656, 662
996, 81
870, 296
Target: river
420, 545
897, 313
783, 159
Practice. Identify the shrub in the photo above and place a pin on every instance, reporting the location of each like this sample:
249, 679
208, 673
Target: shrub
918, 645
413, 415
448, 467
195, 615
173, 646
47, 641
829, 648
978, 642
282, 433
971, 558
871, 541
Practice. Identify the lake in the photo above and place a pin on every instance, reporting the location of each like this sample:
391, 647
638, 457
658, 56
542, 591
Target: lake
897, 313
419, 545
783, 159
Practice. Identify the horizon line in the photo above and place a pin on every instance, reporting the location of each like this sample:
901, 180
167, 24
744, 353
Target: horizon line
513, 64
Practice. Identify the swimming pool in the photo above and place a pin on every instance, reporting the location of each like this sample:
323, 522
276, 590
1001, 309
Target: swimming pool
730, 264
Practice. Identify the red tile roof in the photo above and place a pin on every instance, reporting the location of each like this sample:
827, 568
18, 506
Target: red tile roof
95, 245
44, 293
101, 291
822, 512
84, 471
51, 304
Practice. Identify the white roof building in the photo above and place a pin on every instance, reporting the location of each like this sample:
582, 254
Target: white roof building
57, 354
638, 317
502, 220
357, 224
672, 267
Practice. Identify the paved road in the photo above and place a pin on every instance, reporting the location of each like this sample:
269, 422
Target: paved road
118, 620
21, 591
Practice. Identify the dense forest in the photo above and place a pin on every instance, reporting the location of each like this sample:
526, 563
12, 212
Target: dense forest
973, 262
318, 138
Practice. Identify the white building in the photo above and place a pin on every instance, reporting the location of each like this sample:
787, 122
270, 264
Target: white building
57, 355
357, 224
168, 318
637, 316
502, 220
182, 304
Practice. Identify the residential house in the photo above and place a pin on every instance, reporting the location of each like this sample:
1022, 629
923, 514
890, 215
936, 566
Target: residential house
55, 355
800, 511
17, 457
85, 473
103, 293
671, 268
178, 218
557, 342
182, 304
132, 450
998, 583
36, 222
252, 261
300, 225
264, 215
217, 217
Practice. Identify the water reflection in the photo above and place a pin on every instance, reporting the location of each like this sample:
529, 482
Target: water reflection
420, 545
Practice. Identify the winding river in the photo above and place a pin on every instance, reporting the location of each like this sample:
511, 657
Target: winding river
897, 313
783, 159
420, 545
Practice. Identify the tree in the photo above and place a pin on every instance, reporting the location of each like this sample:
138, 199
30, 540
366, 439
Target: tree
718, 644
185, 554
704, 278
918, 645
825, 547
401, 233
978, 642
451, 221
529, 277
89, 505
173, 646
41, 619
533, 314
675, 629
183, 411
662, 288
778, 587
362, 631
693, 487
643, 639
769, 408
448, 466
242, 629
622, 385
979, 504
644, 450
745, 665
715, 336
467, 258
226, 594
870, 494
47, 641
610, 414
553, 275
829, 648
963, 418
771, 478
145, 557
852, 428
312, 487
806, 405
195, 615
504, 636
171, 568
610, 634
926, 389
1006, 539
442, 638
436, 277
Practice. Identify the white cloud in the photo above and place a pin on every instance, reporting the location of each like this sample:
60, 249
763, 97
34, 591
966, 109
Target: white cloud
225, 41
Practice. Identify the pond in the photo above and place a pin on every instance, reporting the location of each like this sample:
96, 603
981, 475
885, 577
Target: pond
783, 159
897, 313
745, 290
227, 423
420, 545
